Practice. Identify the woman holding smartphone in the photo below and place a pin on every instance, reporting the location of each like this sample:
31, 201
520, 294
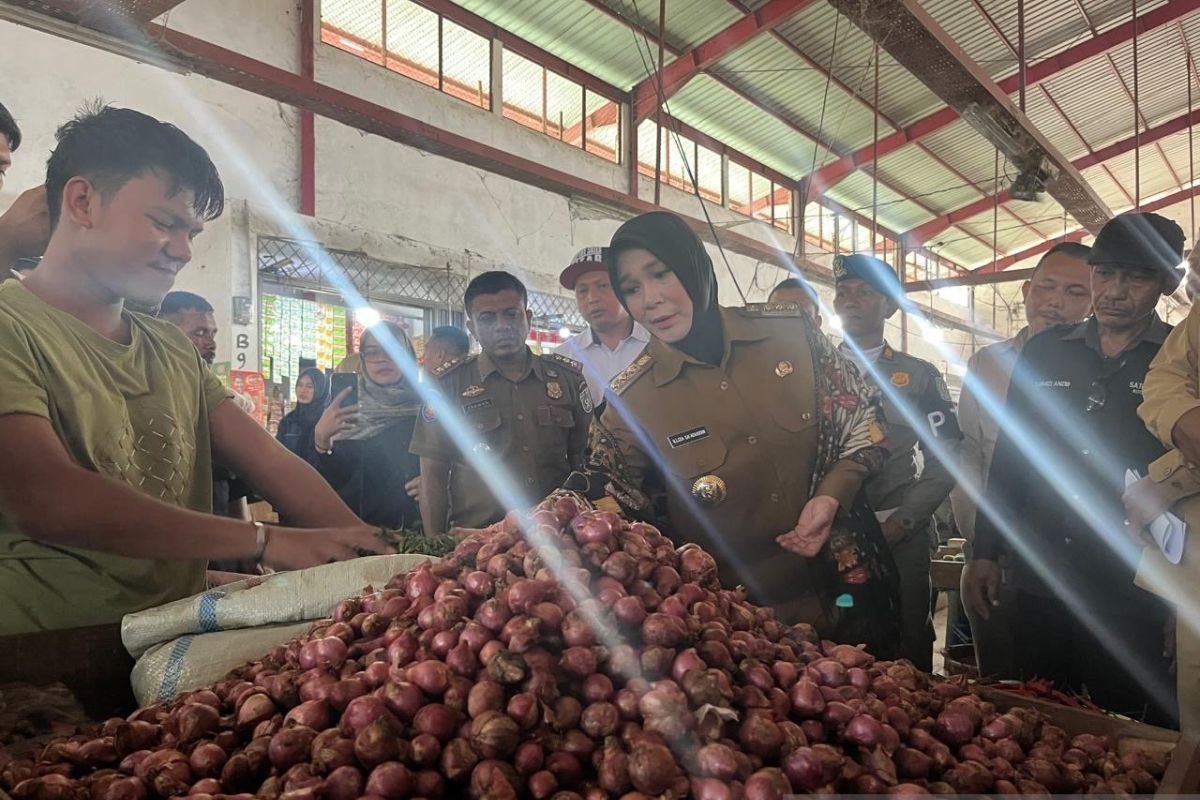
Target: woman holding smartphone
360, 443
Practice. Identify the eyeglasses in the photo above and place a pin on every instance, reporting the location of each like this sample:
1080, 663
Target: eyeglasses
1098, 391
373, 354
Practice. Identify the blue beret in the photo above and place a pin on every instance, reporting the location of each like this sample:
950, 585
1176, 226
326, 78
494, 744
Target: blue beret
879, 274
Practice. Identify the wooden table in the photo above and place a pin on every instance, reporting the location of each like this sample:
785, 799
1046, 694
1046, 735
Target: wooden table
91, 662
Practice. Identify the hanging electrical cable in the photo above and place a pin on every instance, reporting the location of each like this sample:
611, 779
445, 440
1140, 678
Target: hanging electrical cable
1137, 128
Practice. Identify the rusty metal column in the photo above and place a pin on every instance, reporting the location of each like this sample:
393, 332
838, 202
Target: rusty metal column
875, 160
1137, 128
657, 86
308, 132
1191, 150
1021, 54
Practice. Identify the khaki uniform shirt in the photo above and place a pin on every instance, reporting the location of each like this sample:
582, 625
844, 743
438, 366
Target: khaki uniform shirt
916, 395
985, 388
533, 430
733, 447
1170, 390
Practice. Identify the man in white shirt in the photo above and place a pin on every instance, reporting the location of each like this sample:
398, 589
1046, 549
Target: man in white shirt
612, 340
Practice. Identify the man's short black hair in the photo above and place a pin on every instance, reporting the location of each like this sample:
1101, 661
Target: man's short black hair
493, 282
1073, 249
10, 129
793, 283
457, 338
178, 302
111, 146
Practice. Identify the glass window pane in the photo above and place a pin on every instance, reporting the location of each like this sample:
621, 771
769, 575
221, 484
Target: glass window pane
783, 207
522, 84
760, 197
466, 65
862, 239
412, 41
680, 156
602, 134
647, 138
739, 188
708, 173
354, 26
564, 109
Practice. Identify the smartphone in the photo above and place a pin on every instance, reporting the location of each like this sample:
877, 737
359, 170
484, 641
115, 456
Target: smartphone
339, 381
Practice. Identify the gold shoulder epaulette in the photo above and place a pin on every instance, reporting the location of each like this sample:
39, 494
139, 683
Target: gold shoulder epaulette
454, 364
566, 361
771, 310
627, 376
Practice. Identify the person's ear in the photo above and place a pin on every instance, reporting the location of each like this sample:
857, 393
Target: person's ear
892, 308
529, 317
471, 328
81, 202
1025, 287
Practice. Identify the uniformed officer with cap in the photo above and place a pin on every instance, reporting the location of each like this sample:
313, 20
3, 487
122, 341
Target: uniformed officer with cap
528, 412
903, 493
1070, 438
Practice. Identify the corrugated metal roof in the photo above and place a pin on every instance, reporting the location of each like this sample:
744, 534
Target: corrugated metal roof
766, 69
710, 107
966, 150
689, 22
573, 31
902, 97
772, 74
1093, 100
914, 172
894, 211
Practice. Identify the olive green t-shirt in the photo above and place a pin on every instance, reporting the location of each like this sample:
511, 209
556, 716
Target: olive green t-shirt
137, 413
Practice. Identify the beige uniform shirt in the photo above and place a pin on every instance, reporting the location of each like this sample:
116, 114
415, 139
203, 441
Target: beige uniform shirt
985, 388
534, 429
731, 447
1172, 389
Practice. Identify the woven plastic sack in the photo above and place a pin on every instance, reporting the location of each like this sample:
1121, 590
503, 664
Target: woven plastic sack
196, 641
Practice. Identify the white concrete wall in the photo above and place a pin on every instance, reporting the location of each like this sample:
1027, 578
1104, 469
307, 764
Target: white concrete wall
393, 202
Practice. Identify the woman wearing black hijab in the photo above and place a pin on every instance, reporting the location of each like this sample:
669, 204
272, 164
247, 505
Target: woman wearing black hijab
740, 429
296, 428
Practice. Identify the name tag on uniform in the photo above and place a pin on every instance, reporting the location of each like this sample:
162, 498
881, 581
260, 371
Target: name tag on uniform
478, 405
694, 435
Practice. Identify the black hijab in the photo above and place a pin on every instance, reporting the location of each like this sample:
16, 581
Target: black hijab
673, 243
309, 413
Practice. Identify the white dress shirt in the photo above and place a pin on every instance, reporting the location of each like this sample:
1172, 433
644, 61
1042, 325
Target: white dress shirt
601, 365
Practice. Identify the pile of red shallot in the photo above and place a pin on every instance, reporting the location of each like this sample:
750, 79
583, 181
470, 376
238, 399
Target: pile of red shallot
570, 655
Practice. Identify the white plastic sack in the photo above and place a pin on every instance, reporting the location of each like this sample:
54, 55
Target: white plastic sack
196, 641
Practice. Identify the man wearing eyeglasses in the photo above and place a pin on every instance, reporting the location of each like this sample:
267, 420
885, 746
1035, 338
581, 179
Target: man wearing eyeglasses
1070, 432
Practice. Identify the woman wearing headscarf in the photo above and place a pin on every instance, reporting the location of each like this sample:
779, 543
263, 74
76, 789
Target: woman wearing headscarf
296, 428
362, 450
742, 430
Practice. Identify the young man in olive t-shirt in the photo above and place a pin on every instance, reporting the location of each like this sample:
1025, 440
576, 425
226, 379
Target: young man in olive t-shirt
109, 419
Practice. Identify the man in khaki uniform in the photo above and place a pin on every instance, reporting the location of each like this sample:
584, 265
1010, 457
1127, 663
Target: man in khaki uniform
1171, 410
529, 413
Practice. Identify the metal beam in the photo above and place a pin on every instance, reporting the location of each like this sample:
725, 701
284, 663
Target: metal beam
1077, 235
831, 173
926, 231
652, 92
916, 41
970, 279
